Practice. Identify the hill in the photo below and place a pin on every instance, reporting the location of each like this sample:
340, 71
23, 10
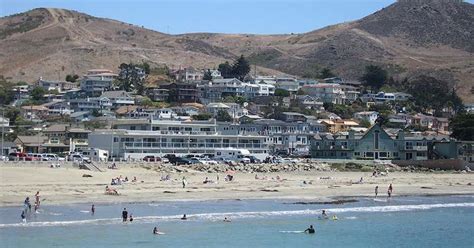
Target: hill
407, 38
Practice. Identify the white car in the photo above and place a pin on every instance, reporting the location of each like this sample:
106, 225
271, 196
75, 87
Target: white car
207, 161
79, 158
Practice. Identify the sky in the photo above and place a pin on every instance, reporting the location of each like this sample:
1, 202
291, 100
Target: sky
216, 16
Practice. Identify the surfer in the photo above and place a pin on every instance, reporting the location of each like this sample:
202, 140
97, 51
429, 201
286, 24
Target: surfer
131, 218
334, 217
324, 215
184, 217
93, 209
155, 230
124, 215
310, 229
226, 220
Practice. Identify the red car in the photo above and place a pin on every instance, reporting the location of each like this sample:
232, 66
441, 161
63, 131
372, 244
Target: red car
150, 158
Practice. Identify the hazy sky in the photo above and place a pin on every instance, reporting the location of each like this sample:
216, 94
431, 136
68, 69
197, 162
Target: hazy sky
220, 16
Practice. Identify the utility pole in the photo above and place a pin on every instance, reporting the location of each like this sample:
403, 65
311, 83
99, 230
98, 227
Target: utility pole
3, 129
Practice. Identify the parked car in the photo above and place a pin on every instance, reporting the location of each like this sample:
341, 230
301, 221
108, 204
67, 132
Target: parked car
19, 156
151, 158
77, 157
253, 159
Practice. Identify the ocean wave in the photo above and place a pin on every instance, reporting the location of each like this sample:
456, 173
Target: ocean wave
239, 215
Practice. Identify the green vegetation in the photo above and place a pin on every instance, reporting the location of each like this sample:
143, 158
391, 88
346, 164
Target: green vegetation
222, 115
239, 69
6, 93
130, 79
462, 127
282, 93
30, 23
72, 78
374, 77
326, 73
344, 111
207, 75
202, 117
37, 94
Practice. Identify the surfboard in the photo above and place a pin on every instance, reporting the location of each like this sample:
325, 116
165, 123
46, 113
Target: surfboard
159, 233
292, 231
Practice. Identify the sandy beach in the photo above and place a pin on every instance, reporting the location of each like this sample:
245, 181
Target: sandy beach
68, 186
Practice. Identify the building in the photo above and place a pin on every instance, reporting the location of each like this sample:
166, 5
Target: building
181, 92
158, 94
370, 116
375, 143
326, 92
64, 138
139, 138
97, 81
59, 86
188, 74
118, 98
383, 97
91, 104
338, 125
289, 84
33, 144
309, 102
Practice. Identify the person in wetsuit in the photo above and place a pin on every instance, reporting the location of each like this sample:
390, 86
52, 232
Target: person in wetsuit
310, 229
124, 215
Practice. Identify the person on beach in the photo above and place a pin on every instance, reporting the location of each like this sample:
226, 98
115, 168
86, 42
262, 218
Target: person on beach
184, 217
93, 209
124, 215
27, 203
310, 230
23, 217
389, 191
184, 182
131, 217
376, 191
37, 198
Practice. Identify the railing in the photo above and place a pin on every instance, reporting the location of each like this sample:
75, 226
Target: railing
159, 145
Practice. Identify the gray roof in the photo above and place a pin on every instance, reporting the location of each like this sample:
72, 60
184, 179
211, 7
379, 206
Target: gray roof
114, 94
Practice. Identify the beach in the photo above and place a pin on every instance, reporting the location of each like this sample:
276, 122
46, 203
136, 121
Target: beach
68, 186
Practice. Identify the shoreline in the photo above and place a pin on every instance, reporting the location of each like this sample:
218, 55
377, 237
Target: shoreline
69, 187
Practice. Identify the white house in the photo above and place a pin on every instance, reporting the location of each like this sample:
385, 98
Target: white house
370, 116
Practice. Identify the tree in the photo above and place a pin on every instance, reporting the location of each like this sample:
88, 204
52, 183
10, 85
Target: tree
131, 77
462, 126
226, 70
202, 117
95, 113
223, 115
300, 92
37, 94
282, 92
6, 93
326, 73
207, 75
72, 78
374, 77
432, 94
240, 68
365, 123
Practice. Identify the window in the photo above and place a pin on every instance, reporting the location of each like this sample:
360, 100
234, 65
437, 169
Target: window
376, 139
395, 154
369, 155
383, 154
357, 154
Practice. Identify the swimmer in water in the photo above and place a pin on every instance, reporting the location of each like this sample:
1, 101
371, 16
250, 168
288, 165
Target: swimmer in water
226, 220
131, 218
310, 229
184, 217
324, 215
23, 217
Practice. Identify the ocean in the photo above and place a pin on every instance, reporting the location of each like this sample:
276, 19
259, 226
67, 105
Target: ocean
442, 221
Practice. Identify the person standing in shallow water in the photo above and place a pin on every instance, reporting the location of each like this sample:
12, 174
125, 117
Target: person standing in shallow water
376, 191
389, 191
93, 209
124, 215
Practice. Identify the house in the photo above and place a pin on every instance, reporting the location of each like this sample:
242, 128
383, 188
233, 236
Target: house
32, 112
215, 74
97, 81
375, 143
188, 74
91, 104
158, 94
181, 92
326, 92
80, 116
310, 102
292, 117
218, 89
6, 147
382, 97
289, 84
252, 90
32, 143
59, 86
58, 108
265, 79
118, 98
336, 125
370, 116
